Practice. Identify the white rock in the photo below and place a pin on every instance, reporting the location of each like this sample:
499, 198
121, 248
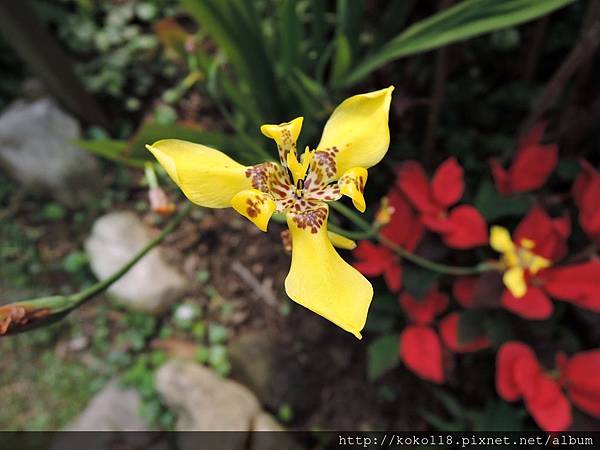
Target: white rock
152, 285
36, 149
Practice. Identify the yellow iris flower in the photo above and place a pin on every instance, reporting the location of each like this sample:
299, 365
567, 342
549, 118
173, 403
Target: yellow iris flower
355, 138
518, 260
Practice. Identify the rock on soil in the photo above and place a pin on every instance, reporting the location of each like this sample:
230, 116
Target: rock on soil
152, 285
37, 150
113, 409
270, 368
206, 402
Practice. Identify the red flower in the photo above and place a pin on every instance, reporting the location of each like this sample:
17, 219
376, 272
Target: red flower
449, 331
375, 260
531, 166
462, 227
424, 311
404, 228
420, 345
586, 192
577, 284
421, 351
519, 375
581, 381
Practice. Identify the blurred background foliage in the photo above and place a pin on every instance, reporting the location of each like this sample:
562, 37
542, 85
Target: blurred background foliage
213, 71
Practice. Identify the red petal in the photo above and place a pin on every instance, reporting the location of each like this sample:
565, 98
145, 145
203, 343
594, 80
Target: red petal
511, 355
582, 182
372, 260
421, 351
393, 277
423, 311
412, 182
550, 235
548, 405
578, 284
532, 166
463, 290
534, 305
468, 228
405, 228
449, 333
586, 191
500, 177
447, 185
582, 382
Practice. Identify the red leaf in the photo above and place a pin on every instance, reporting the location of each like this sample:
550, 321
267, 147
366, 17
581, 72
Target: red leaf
500, 176
468, 228
393, 277
423, 311
548, 405
449, 327
586, 191
534, 305
405, 228
372, 260
511, 355
582, 382
532, 166
421, 351
549, 235
412, 182
463, 290
578, 284
447, 185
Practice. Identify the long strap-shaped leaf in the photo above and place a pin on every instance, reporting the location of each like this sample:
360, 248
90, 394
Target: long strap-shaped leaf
465, 20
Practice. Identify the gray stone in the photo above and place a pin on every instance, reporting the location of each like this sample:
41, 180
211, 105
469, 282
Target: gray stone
152, 285
112, 409
37, 150
204, 401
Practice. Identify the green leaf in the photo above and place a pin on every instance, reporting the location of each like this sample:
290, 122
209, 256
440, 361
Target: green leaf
498, 416
382, 355
494, 206
417, 281
471, 325
463, 21
342, 59
111, 149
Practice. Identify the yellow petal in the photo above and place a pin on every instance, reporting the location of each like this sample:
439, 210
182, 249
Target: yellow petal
500, 240
514, 280
285, 135
538, 263
352, 184
357, 133
320, 279
206, 176
255, 205
340, 241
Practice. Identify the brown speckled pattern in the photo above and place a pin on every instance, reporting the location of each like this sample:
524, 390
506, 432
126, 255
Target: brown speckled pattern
307, 209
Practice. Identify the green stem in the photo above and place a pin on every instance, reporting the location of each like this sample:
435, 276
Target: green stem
370, 232
88, 293
355, 235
